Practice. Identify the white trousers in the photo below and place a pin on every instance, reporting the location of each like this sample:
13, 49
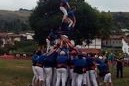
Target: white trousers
71, 74
39, 72
88, 78
54, 77
74, 82
93, 77
72, 77
35, 77
79, 79
107, 78
64, 11
48, 76
48, 45
85, 78
61, 76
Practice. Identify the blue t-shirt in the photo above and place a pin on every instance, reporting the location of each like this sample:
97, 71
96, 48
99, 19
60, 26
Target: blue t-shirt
99, 61
71, 60
41, 59
71, 14
50, 61
103, 68
62, 59
66, 50
90, 61
34, 59
53, 35
79, 62
65, 1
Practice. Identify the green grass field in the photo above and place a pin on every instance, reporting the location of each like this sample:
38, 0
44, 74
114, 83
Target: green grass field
19, 73
15, 72
121, 81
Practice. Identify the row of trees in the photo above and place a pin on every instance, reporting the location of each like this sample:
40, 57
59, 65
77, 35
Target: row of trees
14, 25
22, 47
90, 22
120, 20
14, 21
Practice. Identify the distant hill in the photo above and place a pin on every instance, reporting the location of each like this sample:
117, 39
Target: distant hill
14, 20
120, 20
17, 21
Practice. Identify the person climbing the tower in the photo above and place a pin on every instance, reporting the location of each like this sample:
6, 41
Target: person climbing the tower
51, 39
71, 15
64, 6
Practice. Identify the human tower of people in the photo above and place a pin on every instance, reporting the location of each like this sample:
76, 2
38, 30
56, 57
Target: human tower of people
62, 64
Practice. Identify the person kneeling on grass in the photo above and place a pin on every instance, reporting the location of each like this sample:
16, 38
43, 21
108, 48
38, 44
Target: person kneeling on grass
107, 77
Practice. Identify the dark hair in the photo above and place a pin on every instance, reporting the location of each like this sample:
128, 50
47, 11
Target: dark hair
39, 52
106, 61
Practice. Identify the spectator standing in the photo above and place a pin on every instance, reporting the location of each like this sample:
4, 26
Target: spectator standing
119, 67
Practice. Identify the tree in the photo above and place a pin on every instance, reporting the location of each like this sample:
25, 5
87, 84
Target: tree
104, 25
47, 16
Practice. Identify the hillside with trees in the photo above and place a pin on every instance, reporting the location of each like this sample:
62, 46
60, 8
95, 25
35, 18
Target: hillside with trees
14, 21
120, 20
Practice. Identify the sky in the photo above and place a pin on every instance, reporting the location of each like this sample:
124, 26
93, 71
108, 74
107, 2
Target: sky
110, 5
16, 4
102, 5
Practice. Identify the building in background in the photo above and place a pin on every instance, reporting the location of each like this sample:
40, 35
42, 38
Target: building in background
113, 42
10, 38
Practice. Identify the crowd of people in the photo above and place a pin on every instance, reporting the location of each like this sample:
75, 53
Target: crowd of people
64, 65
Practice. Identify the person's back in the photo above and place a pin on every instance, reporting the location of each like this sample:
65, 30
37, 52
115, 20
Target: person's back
107, 77
39, 67
79, 64
34, 59
119, 67
119, 63
90, 63
61, 70
62, 58
50, 60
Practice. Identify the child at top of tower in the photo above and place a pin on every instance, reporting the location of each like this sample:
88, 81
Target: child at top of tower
64, 6
71, 15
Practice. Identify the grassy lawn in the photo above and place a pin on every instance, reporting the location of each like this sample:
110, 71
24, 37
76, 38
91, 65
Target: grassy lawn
19, 73
15, 72
120, 81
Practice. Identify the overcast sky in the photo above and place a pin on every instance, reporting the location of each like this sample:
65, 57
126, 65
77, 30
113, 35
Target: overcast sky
16, 4
105, 5
112, 5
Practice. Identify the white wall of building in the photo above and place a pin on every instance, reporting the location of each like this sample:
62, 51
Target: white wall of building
29, 37
96, 43
17, 39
